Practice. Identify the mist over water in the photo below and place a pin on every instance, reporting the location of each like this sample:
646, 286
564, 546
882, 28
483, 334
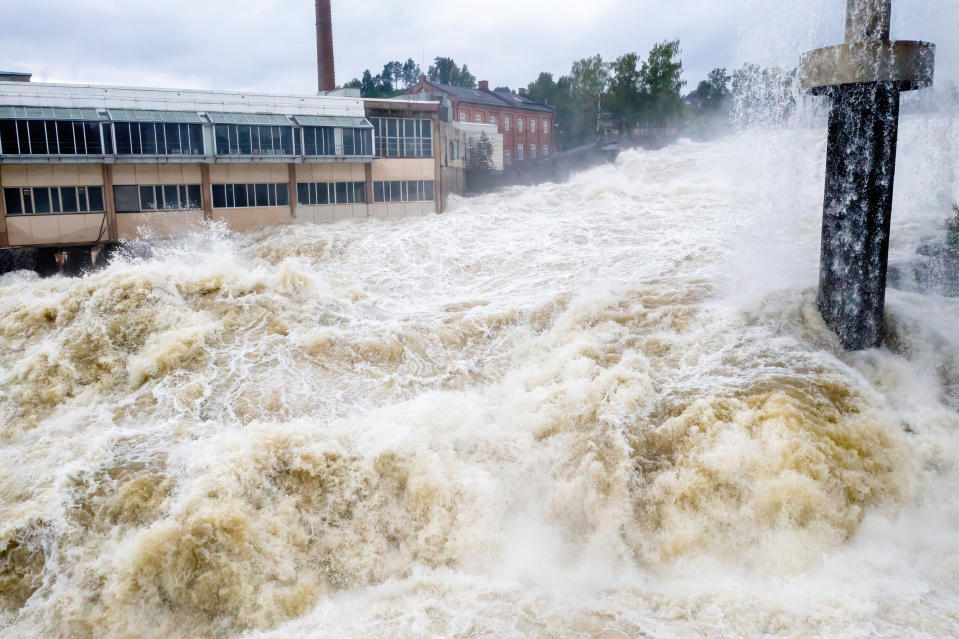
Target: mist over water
606, 408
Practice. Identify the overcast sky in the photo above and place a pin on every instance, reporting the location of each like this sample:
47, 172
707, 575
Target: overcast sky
269, 45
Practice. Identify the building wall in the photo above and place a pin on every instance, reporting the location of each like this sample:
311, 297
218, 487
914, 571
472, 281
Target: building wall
512, 138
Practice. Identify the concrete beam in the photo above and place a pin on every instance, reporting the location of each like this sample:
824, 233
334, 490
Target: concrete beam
907, 64
294, 200
206, 192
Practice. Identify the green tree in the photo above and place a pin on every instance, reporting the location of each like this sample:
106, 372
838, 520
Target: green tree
465, 78
446, 71
355, 83
662, 83
625, 98
953, 228
714, 91
392, 73
411, 73
368, 85
543, 89
481, 153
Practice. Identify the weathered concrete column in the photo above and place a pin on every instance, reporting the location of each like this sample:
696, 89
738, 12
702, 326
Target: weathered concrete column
4, 239
294, 200
109, 204
863, 77
206, 192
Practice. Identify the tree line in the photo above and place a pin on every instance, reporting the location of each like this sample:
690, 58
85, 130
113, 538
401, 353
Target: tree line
631, 92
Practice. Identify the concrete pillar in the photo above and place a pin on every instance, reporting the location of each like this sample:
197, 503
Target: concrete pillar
206, 192
439, 200
863, 78
368, 168
292, 188
109, 204
4, 239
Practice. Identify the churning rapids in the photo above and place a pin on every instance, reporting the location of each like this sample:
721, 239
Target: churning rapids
606, 408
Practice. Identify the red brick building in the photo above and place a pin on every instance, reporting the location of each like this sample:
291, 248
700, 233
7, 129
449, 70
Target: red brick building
526, 125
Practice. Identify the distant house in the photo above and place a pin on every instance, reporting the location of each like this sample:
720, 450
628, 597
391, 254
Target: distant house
527, 126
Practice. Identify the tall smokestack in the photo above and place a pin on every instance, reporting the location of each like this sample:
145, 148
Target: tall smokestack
324, 46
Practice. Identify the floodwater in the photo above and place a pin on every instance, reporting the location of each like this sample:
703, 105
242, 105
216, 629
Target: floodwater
606, 408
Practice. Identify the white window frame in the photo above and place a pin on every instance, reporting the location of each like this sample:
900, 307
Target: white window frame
532, 151
520, 155
519, 122
506, 123
507, 158
462, 116
492, 120
532, 125
478, 118
545, 127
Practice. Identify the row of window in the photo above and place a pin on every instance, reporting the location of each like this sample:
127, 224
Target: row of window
157, 197
238, 196
59, 137
165, 197
403, 137
157, 138
320, 193
50, 137
404, 191
245, 139
508, 122
51, 200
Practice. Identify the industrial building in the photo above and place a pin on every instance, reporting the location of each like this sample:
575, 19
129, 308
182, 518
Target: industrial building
83, 164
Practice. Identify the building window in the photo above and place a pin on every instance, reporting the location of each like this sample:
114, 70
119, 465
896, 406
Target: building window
479, 118
519, 153
462, 116
545, 150
545, 128
532, 151
506, 124
238, 196
318, 140
404, 191
53, 200
157, 197
323, 193
492, 120
52, 137
519, 124
532, 126
245, 139
507, 158
357, 142
153, 138
403, 137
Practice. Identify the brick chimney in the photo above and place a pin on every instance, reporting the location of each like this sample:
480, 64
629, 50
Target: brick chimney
326, 73
522, 91
484, 85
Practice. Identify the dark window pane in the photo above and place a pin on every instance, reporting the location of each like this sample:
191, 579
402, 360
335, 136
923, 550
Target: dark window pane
359, 192
193, 196
429, 195
196, 139
170, 197
82, 196
65, 138
303, 193
246, 146
159, 130
126, 199
219, 196
135, 134
348, 148
23, 132
41, 200
241, 196
148, 138
322, 193
147, 199
96, 198
93, 146
27, 195
287, 140
107, 146
340, 190
222, 139
309, 140
55, 200
8, 137
122, 130
52, 145
396, 191
282, 194
262, 199
11, 198
391, 127
38, 138
378, 192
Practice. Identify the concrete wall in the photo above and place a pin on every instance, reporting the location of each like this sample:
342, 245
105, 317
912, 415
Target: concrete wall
126, 174
410, 169
25, 230
12, 175
158, 224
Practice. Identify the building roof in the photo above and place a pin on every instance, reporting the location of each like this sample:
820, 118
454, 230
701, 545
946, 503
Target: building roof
497, 98
522, 101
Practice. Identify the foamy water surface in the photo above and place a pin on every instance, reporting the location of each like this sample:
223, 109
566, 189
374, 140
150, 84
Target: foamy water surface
606, 408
